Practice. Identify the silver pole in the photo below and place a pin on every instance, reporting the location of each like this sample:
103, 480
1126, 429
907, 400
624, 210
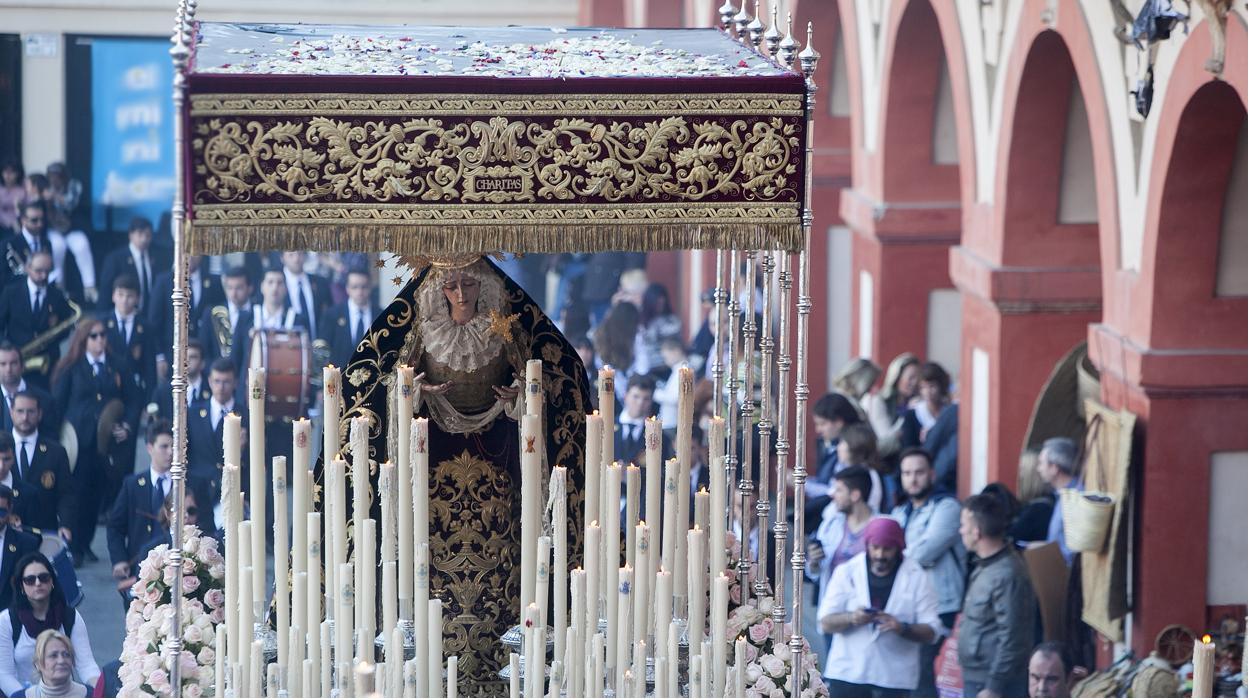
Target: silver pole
731, 385
809, 59
717, 347
763, 507
746, 484
180, 53
783, 361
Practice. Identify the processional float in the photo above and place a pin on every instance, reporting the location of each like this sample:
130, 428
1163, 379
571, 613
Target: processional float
429, 142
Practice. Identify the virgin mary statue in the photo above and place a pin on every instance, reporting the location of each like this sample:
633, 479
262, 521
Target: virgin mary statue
468, 331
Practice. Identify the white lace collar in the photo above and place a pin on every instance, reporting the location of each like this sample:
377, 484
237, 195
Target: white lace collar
464, 347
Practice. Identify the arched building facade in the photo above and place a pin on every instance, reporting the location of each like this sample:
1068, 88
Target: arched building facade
987, 191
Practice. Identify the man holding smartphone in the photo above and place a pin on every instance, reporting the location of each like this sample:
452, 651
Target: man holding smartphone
880, 609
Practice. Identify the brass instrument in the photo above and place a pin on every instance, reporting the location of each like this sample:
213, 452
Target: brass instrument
320, 359
17, 265
221, 326
34, 358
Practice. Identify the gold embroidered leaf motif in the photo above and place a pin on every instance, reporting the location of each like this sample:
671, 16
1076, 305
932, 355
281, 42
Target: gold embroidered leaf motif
358, 376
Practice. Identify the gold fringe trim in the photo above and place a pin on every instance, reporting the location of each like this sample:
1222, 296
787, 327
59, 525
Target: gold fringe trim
214, 238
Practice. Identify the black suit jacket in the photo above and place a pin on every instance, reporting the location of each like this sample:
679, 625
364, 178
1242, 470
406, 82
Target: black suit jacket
25, 502
120, 261
132, 521
203, 445
137, 356
16, 544
336, 331
49, 475
160, 313
162, 395
71, 281
321, 300
82, 397
18, 323
50, 412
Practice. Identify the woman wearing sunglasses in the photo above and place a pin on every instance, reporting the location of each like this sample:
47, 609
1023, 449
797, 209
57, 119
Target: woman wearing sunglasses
39, 605
88, 385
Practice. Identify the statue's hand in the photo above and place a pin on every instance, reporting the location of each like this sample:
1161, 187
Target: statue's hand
506, 393
438, 389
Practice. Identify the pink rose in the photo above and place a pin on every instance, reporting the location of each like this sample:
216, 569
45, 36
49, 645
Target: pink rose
759, 632
215, 598
192, 691
158, 680
189, 584
206, 656
218, 615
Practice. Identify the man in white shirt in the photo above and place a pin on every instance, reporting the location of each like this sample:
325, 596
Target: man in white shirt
343, 326
132, 520
12, 383
43, 463
205, 422
630, 433
880, 609
307, 294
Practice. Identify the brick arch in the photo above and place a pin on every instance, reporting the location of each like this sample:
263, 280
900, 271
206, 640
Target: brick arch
911, 81
1200, 121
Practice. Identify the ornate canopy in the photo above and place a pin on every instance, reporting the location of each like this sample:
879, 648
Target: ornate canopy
451, 140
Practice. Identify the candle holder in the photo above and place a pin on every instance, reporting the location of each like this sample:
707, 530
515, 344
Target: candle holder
408, 628
514, 638
266, 635
505, 672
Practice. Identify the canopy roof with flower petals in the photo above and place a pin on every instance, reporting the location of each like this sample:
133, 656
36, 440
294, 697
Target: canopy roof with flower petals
452, 140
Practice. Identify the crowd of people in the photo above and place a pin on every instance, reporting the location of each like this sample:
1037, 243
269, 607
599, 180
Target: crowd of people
896, 562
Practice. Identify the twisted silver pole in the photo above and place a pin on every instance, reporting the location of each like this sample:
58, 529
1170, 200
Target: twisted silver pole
717, 346
781, 530
180, 52
763, 507
809, 59
745, 485
731, 384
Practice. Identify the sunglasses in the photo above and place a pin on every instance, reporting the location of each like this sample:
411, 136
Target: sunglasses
32, 579
95, 335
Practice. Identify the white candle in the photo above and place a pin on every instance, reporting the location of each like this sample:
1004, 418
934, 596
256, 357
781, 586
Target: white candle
421, 610
611, 558
534, 665
301, 483
435, 648
420, 481
258, 480
530, 504
218, 669
294, 677
364, 678
593, 575
662, 610
344, 621
245, 619
281, 559
298, 610
654, 487
389, 515
632, 498
639, 668
312, 617
556, 678
452, 676
559, 575
673, 648
229, 502
513, 685
541, 588
669, 527
389, 596
697, 589
719, 634
641, 583
739, 665
410, 679
394, 661
593, 467
702, 509
606, 405
660, 677
719, 516
597, 677
338, 495
1203, 670
255, 681
623, 623
684, 457
406, 532
308, 683
572, 676
574, 647
359, 492
331, 381
232, 440
695, 676
327, 666
366, 559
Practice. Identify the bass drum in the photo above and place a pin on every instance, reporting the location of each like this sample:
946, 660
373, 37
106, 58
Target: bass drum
57, 551
286, 357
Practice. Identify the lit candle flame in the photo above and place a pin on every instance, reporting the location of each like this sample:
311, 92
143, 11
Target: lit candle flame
1206, 639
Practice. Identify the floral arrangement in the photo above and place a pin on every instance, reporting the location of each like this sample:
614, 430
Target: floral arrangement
146, 660
769, 664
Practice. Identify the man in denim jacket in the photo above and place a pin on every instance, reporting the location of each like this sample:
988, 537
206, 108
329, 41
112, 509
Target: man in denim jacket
930, 519
999, 612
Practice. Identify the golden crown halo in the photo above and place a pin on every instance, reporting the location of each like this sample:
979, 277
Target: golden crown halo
418, 263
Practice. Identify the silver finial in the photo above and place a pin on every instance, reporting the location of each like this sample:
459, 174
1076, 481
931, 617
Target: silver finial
726, 11
756, 27
771, 38
809, 57
741, 21
788, 45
